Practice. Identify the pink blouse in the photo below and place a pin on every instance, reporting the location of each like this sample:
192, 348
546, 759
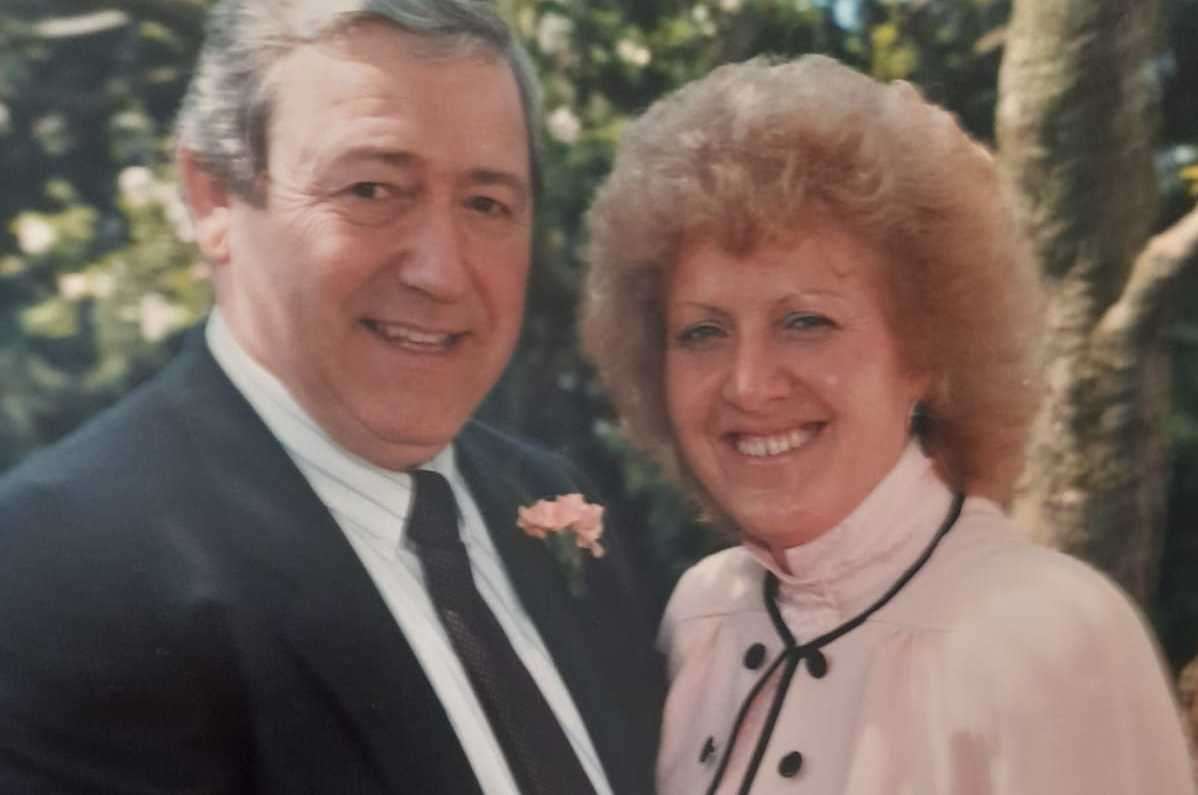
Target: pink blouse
1000, 668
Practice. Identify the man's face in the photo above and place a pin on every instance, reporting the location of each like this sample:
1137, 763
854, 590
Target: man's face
383, 278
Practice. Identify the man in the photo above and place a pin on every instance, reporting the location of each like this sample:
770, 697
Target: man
226, 584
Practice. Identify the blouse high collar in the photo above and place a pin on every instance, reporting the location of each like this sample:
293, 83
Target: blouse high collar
853, 563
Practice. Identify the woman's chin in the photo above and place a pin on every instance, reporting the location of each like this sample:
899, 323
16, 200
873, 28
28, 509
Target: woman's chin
782, 530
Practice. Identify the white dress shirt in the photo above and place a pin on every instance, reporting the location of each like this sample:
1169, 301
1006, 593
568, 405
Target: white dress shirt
370, 505
1001, 668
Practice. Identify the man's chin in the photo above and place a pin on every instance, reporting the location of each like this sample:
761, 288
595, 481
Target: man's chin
392, 446
399, 456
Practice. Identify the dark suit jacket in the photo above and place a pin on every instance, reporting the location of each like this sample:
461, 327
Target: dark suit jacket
180, 614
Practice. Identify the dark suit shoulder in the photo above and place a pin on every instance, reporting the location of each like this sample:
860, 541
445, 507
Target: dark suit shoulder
525, 465
106, 624
131, 439
500, 442
91, 525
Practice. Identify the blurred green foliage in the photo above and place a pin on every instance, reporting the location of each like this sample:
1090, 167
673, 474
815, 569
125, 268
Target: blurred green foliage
98, 277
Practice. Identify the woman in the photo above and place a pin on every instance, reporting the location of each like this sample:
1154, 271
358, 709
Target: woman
810, 303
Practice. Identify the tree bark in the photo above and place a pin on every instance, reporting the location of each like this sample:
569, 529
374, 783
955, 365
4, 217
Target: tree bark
1076, 115
1188, 690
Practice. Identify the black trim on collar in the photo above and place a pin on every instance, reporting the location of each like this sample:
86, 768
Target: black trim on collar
817, 663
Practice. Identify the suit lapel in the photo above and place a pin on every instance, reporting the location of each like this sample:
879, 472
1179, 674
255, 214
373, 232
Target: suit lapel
299, 570
501, 480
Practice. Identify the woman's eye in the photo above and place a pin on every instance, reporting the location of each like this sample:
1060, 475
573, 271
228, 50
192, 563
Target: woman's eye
804, 321
698, 334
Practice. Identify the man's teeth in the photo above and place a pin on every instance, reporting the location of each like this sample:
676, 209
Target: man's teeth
762, 446
393, 332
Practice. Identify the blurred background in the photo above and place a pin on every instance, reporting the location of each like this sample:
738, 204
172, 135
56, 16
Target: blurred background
99, 278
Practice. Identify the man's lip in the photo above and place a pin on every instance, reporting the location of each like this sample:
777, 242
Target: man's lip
411, 335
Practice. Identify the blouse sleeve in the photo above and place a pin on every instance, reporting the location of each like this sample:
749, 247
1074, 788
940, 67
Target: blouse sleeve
1076, 697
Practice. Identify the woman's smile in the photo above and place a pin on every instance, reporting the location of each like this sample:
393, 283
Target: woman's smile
772, 445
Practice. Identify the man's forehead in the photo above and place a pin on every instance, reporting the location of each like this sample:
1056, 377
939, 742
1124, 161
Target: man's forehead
349, 31
419, 117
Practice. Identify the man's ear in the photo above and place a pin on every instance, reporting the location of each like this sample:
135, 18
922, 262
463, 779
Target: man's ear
209, 200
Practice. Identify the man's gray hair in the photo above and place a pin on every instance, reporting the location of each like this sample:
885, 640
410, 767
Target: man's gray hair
226, 112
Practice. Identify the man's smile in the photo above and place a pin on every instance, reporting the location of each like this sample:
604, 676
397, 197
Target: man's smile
413, 338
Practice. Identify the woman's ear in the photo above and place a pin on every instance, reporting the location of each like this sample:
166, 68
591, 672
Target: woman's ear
208, 199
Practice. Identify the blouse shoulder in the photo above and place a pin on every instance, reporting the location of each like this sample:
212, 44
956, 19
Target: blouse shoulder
1041, 649
1001, 593
720, 585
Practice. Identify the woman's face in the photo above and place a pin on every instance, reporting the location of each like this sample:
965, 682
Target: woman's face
784, 384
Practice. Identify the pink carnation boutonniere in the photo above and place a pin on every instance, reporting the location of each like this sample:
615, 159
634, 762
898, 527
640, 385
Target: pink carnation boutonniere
556, 520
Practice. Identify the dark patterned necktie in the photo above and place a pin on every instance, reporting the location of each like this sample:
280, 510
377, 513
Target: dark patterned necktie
537, 751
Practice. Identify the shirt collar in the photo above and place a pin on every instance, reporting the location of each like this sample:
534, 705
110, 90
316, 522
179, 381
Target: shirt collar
349, 485
854, 562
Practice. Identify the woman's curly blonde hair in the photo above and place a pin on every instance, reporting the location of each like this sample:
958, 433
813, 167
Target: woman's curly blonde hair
751, 153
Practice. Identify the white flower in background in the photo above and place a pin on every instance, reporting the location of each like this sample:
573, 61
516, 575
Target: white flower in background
35, 235
5, 119
159, 317
140, 188
702, 16
75, 286
137, 185
553, 33
632, 53
177, 214
526, 22
102, 284
53, 133
563, 125
730, 6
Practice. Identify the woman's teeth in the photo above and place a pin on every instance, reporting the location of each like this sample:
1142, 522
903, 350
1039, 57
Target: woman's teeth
777, 444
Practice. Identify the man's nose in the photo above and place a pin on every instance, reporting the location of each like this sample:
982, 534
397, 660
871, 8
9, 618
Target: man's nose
433, 257
757, 376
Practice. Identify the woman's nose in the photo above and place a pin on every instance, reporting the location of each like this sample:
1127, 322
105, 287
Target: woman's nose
756, 377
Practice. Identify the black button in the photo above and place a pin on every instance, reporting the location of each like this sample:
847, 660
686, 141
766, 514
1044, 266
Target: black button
755, 656
790, 764
817, 663
708, 750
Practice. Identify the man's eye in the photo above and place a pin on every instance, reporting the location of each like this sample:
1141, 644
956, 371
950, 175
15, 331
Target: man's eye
368, 190
487, 205
370, 203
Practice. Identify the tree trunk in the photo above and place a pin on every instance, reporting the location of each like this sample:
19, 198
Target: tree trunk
1075, 123
1188, 688
1077, 110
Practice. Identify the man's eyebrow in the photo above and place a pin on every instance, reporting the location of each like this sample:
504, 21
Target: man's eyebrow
488, 176
401, 159
392, 157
